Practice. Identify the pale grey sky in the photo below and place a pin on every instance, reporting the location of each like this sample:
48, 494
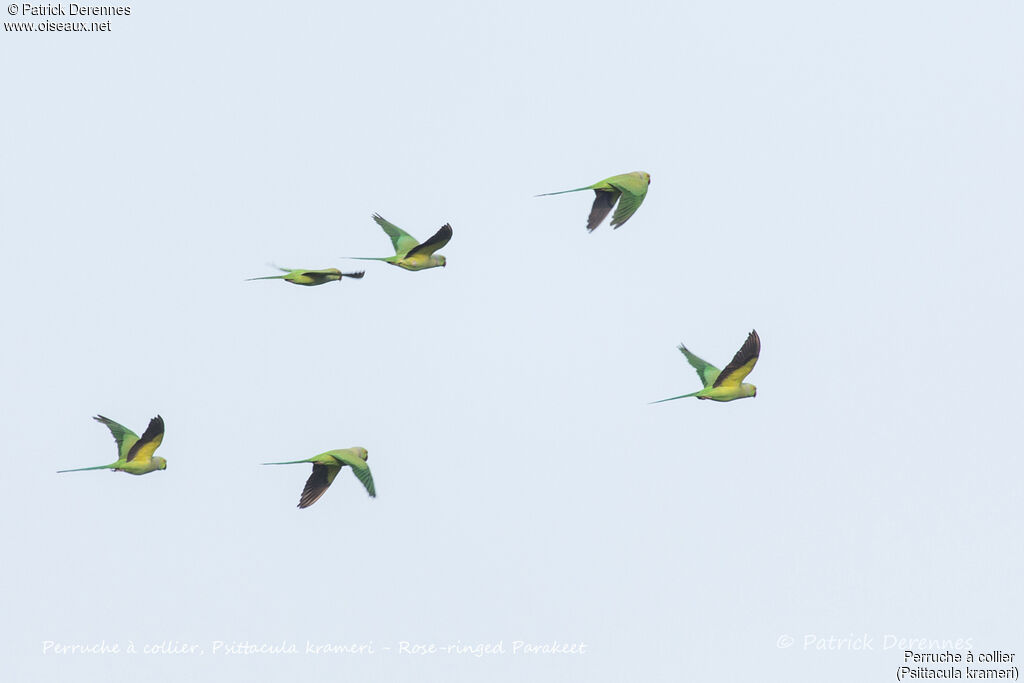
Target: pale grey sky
845, 178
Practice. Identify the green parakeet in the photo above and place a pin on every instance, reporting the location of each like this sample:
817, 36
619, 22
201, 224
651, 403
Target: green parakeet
134, 455
310, 278
409, 253
728, 384
629, 189
326, 467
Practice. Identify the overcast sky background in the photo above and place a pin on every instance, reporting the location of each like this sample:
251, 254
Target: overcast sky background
845, 178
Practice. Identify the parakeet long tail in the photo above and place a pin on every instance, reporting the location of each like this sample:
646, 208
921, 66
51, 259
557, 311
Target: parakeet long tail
82, 469
578, 189
674, 398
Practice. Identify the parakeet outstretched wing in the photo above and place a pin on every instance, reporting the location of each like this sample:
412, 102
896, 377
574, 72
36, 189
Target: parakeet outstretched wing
400, 239
742, 363
436, 241
359, 468
124, 437
142, 450
603, 203
633, 189
318, 483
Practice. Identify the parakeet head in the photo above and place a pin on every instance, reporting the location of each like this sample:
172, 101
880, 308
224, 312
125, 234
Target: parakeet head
748, 389
442, 260
361, 452
160, 462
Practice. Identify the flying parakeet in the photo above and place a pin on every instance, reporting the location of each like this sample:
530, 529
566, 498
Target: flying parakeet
728, 384
629, 189
135, 455
409, 253
310, 278
326, 467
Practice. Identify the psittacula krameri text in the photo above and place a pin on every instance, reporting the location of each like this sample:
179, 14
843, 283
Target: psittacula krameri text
134, 455
409, 253
310, 278
629, 189
326, 467
728, 384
